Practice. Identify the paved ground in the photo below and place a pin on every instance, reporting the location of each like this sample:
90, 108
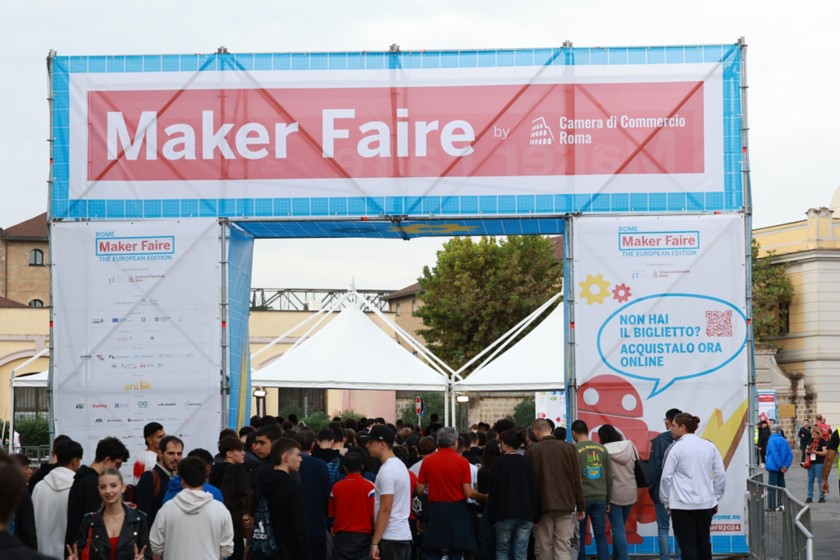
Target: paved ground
824, 517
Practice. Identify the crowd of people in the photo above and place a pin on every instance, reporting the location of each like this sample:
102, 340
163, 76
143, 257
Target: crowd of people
817, 446
361, 489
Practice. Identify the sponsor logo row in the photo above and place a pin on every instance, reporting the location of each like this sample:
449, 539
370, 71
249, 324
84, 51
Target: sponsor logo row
145, 404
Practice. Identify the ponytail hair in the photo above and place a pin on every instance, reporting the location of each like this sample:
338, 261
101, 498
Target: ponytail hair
688, 421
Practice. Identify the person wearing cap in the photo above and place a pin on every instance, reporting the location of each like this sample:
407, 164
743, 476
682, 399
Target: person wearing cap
449, 480
391, 538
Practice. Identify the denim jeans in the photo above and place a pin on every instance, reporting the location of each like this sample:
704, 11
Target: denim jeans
596, 512
815, 474
618, 517
775, 478
663, 525
512, 535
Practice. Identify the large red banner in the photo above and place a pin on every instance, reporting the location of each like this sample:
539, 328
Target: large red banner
392, 132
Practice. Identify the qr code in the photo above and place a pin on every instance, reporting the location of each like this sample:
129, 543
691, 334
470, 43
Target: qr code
719, 323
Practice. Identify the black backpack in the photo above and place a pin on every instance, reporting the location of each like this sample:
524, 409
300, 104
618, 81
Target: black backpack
262, 539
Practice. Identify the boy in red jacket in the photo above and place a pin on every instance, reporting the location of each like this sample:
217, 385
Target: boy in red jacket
351, 507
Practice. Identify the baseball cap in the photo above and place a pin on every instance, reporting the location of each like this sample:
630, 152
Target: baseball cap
381, 433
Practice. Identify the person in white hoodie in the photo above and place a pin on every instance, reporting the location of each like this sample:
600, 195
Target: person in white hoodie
50, 496
192, 524
692, 484
623, 456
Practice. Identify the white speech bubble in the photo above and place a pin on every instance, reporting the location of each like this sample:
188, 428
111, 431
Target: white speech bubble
666, 338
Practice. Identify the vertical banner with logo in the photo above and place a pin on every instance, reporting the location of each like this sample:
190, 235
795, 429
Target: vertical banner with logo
766, 404
137, 330
551, 404
240, 257
660, 323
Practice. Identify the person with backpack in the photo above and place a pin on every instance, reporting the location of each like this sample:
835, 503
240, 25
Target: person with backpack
151, 487
279, 523
325, 451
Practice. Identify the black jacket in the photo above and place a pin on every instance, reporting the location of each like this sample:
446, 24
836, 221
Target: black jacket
84, 498
12, 549
285, 506
25, 522
514, 493
217, 474
135, 531
148, 501
656, 460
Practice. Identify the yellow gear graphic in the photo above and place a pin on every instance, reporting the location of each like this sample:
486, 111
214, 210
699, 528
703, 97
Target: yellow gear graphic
594, 289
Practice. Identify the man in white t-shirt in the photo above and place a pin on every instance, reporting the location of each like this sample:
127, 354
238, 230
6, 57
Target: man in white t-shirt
392, 503
153, 432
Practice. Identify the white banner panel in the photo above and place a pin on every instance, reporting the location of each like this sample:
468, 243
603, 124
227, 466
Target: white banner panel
551, 404
137, 331
660, 323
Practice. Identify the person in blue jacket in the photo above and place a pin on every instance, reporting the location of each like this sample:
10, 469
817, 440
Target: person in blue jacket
778, 460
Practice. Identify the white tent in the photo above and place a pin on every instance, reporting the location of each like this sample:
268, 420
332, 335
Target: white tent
535, 363
350, 352
32, 380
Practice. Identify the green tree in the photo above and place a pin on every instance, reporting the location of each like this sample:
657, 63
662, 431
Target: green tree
33, 430
772, 293
478, 290
525, 412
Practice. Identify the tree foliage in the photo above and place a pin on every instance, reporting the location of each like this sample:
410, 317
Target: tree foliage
525, 412
772, 292
33, 430
478, 290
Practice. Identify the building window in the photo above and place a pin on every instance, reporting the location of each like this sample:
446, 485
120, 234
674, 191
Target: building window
413, 306
30, 402
36, 303
398, 310
36, 257
784, 317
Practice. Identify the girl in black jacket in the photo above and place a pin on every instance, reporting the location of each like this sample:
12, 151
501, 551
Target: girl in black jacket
116, 531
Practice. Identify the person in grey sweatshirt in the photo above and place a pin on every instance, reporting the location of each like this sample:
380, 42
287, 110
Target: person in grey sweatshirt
192, 524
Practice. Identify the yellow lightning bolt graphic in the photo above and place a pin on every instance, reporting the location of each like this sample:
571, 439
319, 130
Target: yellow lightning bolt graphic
726, 434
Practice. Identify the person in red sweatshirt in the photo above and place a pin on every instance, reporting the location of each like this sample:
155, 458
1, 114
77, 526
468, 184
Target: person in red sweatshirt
351, 508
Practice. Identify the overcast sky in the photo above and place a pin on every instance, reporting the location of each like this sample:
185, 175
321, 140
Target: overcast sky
793, 105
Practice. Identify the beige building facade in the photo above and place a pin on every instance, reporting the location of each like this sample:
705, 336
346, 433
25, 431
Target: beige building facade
809, 352
24, 263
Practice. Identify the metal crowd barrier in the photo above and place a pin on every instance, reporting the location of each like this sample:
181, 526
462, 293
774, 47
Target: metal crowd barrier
779, 525
37, 454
